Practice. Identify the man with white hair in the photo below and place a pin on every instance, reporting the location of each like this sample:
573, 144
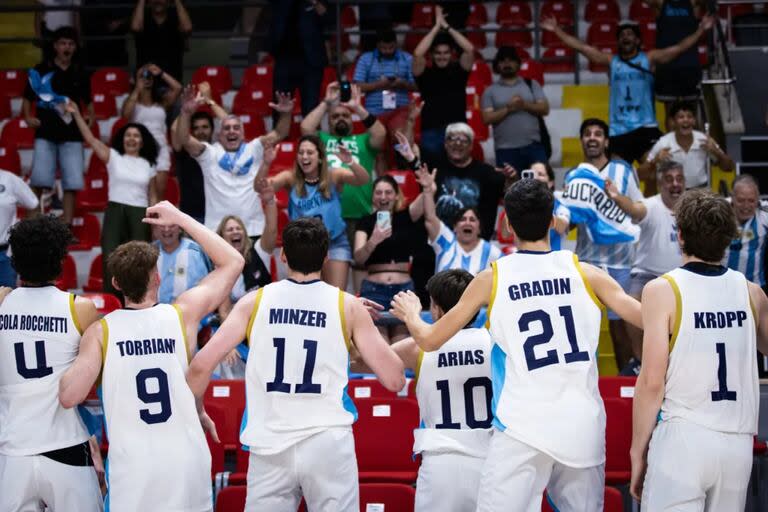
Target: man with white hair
230, 165
747, 252
463, 182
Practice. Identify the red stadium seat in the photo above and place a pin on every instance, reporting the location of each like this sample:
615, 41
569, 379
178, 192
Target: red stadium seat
172, 192
516, 12
286, 156
252, 101
218, 77
478, 15
562, 60
384, 439
17, 134
95, 276
550, 40
5, 107
520, 37
368, 388
104, 105
409, 187
231, 499
68, 278
617, 387
217, 456
730, 11
258, 76
228, 398
703, 51
121, 121
561, 10
423, 15
618, 439
104, 302
533, 70
475, 120
602, 33
602, 10
478, 39
96, 166
612, 501
10, 160
86, 228
94, 195
608, 49
13, 82
113, 81
411, 41
481, 74
348, 17
253, 126
399, 497
641, 11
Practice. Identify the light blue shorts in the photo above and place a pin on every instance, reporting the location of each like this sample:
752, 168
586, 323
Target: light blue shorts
621, 276
339, 248
68, 155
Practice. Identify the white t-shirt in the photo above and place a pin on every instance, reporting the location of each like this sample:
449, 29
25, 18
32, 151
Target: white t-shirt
694, 162
13, 192
129, 178
58, 19
449, 254
657, 250
230, 191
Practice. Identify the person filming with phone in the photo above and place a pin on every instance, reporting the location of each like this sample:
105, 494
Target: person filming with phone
385, 242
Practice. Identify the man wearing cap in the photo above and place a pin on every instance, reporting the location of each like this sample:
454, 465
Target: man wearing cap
632, 113
513, 105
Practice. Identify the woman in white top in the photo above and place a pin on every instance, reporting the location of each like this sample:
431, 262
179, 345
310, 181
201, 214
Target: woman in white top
154, 93
131, 169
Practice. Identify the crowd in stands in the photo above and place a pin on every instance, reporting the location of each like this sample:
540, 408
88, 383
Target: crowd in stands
401, 184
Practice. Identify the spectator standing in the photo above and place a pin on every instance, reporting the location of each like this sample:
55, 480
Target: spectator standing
690, 148
443, 84
13, 193
181, 263
747, 252
463, 182
58, 143
131, 169
230, 165
147, 104
355, 200
161, 34
188, 172
632, 111
297, 43
513, 106
385, 76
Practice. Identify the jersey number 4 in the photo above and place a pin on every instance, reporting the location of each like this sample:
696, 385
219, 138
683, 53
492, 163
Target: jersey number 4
38, 372
550, 357
279, 385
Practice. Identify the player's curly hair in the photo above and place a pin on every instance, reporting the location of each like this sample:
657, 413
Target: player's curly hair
38, 246
149, 149
528, 204
707, 224
131, 266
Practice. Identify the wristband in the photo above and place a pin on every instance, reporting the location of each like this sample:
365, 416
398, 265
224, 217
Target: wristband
369, 121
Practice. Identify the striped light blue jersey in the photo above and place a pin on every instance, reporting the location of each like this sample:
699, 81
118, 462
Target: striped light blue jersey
617, 255
556, 240
632, 103
747, 252
449, 254
180, 270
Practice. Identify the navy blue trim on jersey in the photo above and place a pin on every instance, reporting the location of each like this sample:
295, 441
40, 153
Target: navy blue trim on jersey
304, 282
525, 251
705, 269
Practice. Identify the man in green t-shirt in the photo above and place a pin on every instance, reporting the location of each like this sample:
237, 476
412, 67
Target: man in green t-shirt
355, 200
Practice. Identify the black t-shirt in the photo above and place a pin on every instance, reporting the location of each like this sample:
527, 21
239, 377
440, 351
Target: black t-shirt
444, 94
191, 190
477, 185
256, 272
162, 44
75, 84
398, 248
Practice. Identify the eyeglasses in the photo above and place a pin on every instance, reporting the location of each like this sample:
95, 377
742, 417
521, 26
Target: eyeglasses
458, 140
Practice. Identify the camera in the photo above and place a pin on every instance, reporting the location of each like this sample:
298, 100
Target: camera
528, 174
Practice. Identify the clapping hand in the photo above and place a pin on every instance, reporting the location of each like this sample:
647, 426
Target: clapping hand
426, 179
265, 189
191, 98
405, 303
344, 154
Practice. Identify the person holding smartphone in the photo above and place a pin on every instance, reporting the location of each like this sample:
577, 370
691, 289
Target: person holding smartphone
384, 245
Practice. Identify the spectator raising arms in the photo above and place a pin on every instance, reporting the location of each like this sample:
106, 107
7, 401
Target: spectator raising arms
385, 242
442, 85
161, 34
147, 104
315, 192
131, 169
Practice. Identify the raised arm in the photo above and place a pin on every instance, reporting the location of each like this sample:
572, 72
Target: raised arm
129, 105
355, 175
185, 23
431, 220
376, 130
590, 52
101, 149
284, 108
268, 240
200, 300
137, 19
670, 53
612, 295
419, 63
311, 124
174, 87
191, 100
721, 158
269, 155
635, 209
376, 353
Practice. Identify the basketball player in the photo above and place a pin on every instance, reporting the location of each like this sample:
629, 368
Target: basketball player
298, 416
453, 388
45, 460
703, 323
158, 456
544, 311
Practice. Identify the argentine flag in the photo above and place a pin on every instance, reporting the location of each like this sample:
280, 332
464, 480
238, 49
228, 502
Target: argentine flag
593, 209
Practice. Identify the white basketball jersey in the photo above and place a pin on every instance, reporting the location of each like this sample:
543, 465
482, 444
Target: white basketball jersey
545, 322
298, 365
158, 455
39, 340
453, 388
712, 376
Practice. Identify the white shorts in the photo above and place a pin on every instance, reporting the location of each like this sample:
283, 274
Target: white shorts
448, 482
515, 475
323, 468
30, 483
692, 468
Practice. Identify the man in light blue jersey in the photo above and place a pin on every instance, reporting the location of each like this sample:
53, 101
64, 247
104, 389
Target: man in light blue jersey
181, 264
632, 113
747, 251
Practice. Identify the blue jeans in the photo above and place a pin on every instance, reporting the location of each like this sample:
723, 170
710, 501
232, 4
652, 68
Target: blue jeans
521, 158
70, 159
7, 274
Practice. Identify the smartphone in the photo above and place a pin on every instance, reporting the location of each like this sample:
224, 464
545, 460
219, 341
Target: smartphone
384, 220
528, 174
345, 91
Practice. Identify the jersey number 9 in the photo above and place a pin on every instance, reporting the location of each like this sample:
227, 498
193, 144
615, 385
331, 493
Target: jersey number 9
162, 396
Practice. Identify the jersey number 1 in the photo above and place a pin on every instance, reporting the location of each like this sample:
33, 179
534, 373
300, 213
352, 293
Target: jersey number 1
307, 386
722, 375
